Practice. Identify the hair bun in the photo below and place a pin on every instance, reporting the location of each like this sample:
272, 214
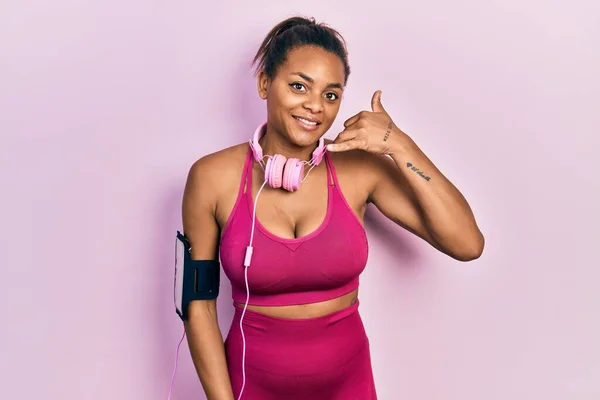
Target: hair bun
292, 23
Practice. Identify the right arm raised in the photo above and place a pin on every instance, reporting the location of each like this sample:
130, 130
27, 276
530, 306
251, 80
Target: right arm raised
202, 329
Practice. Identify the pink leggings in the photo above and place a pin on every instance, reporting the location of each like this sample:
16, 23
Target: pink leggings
324, 358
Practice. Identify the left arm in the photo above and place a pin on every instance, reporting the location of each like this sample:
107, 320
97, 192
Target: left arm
409, 188
437, 211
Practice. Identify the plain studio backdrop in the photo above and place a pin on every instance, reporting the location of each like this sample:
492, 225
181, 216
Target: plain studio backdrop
104, 106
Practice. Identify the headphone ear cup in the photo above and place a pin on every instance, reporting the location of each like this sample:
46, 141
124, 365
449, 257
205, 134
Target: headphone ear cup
292, 174
274, 170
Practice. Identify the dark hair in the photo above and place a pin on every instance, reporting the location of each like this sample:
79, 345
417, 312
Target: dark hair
295, 32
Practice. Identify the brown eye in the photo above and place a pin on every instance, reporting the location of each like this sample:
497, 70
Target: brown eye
332, 96
297, 86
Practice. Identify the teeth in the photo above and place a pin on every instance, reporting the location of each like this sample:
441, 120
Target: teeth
307, 122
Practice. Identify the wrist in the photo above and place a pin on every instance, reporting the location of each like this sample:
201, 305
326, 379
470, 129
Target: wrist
400, 144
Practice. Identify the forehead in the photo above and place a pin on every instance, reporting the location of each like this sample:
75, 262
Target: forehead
319, 64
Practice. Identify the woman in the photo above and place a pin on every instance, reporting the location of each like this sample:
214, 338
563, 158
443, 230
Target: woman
297, 332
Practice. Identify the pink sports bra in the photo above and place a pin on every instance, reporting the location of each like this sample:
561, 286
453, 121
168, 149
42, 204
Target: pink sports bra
322, 265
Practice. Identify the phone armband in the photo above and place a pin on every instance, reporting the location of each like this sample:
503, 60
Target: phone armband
194, 279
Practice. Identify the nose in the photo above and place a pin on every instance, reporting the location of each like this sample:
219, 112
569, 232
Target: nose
314, 103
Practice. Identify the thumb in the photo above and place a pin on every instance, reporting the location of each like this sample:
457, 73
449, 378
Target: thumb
376, 105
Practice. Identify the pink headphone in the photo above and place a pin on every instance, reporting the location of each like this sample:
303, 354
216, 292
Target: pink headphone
281, 171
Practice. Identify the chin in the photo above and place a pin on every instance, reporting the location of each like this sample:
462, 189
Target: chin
303, 135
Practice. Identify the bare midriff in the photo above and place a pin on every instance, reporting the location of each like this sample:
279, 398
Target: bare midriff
311, 310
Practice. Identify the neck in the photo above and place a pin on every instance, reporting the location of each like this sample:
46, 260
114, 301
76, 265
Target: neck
274, 143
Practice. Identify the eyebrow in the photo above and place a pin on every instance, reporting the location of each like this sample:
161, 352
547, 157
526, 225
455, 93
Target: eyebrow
311, 80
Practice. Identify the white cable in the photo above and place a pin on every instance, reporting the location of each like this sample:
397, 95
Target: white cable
246, 265
175, 368
311, 168
247, 259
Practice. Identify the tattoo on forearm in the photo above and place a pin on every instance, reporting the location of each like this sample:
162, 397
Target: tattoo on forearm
387, 133
418, 171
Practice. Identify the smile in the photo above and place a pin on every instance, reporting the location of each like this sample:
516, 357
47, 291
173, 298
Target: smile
307, 124
306, 121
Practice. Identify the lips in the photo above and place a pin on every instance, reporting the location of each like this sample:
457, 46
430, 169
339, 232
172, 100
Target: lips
307, 124
307, 121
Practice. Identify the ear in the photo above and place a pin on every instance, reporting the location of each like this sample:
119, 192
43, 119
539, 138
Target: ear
262, 85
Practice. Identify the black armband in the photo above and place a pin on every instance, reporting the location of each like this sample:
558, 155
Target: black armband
194, 279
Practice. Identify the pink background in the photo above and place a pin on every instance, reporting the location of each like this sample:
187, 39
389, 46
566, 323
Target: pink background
104, 106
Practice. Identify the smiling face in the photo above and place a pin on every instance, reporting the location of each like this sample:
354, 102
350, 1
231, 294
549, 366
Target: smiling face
304, 96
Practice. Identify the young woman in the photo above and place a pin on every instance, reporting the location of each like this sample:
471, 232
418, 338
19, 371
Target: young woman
297, 332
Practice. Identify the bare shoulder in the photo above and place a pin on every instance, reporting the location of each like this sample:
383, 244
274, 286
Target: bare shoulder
359, 168
218, 170
210, 163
